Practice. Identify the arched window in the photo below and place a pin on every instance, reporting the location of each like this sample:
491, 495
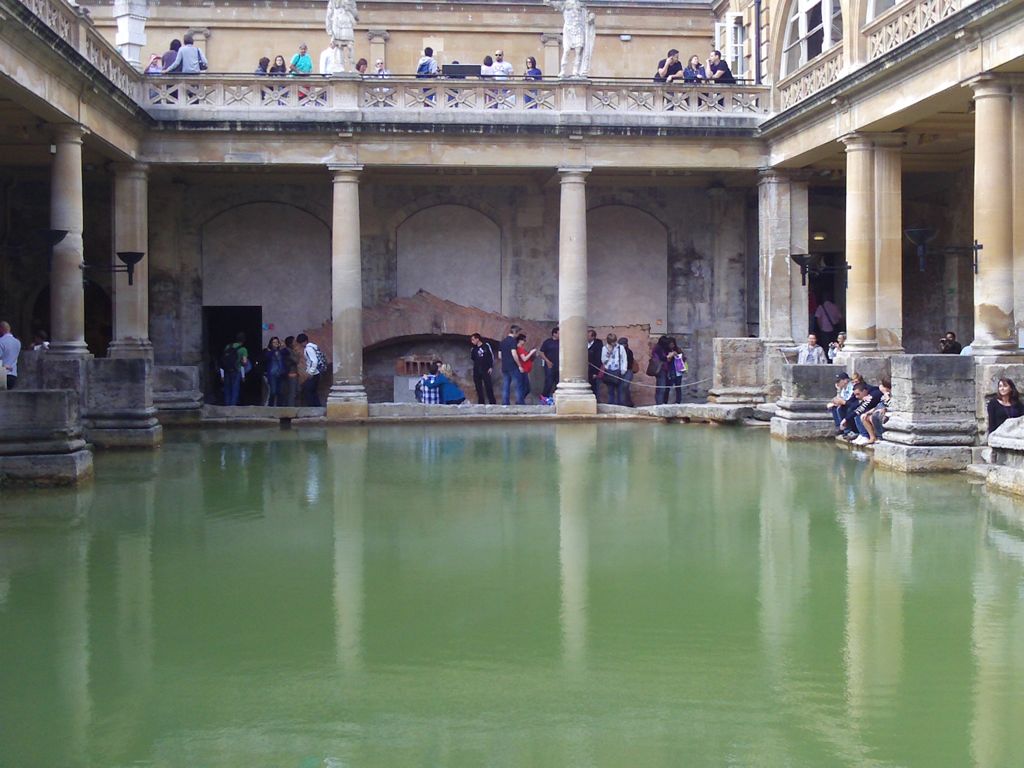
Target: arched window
814, 26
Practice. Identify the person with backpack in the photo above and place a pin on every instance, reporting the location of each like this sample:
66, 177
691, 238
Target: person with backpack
313, 364
234, 362
427, 67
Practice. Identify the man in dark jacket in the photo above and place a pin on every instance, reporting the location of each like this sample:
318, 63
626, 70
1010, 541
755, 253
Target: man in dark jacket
509, 366
593, 359
483, 364
869, 397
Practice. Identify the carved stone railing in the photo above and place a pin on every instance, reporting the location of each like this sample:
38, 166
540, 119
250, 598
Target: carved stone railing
203, 96
74, 25
906, 20
817, 74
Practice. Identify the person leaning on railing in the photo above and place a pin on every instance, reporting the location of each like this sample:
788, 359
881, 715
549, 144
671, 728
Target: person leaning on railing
189, 57
718, 69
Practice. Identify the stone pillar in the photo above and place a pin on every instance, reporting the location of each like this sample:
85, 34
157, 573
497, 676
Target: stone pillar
889, 242
378, 46
993, 219
67, 296
131, 233
131, 16
552, 43
573, 394
1018, 207
860, 244
347, 399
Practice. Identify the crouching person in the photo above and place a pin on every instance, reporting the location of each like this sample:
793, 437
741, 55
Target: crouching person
843, 400
874, 419
869, 398
442, 381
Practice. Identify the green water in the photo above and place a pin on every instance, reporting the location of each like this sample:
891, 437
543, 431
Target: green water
570, 595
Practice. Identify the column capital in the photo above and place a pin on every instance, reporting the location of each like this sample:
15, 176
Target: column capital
200, 34
68, 133
574, 174
130, 168
553, 39
373, 35
345, 171
857, 142
990, 86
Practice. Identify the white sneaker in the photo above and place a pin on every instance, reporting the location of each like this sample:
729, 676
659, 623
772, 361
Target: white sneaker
861, 440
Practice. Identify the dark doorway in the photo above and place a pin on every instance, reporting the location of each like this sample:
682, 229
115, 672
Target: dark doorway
99, 320
220, 327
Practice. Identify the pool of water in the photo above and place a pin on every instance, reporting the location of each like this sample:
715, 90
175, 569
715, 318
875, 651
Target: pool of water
564, 595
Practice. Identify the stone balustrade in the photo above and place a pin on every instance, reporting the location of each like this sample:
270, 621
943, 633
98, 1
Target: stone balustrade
814, 76
899, 24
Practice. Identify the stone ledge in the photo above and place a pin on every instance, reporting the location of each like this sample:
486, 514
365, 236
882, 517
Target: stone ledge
922, 458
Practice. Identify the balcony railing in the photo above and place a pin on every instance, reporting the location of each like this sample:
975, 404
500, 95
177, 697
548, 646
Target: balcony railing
906, 20
814, 76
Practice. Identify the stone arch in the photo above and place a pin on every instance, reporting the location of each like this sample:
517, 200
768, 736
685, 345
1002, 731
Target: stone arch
273, 254
453, 251
780, 21
627, 267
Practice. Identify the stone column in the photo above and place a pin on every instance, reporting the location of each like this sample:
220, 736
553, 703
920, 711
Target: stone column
131, 233
782, 231
993, 219
860, 244
573, 394
347, 399
1018, 206
552, 43
67, 296
889, 242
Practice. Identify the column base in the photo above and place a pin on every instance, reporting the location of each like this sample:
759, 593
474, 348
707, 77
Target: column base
47, 469
347, 402
994, 348
131, 348
68, 349
575, 398
125, 430
921, 458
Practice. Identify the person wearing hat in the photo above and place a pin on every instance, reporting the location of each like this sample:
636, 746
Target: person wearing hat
844, 395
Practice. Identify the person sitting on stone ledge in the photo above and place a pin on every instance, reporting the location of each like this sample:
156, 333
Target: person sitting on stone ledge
869, 398
809, 353
874, 419
1004, 404
844, 396
443, 383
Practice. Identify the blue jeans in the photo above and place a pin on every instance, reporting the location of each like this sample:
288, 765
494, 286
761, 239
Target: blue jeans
611, 381
860, 427
232, 383
661, 393
625, 396
275, 394
522, 387
310, 398
550, 381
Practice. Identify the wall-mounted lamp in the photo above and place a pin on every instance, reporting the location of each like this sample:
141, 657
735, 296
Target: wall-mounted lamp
920, 237
819, 236
813, 264
128, 261
625, 38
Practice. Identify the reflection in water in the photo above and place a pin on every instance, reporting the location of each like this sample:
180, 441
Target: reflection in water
573, 594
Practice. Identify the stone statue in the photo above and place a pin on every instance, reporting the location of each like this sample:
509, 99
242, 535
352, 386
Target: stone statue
579, 30
341, 20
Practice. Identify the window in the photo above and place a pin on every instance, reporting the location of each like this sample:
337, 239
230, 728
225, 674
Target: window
878, 7
814, 26
731, 40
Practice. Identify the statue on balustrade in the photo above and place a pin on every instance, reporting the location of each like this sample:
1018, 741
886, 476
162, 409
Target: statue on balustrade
579, 30
341, 20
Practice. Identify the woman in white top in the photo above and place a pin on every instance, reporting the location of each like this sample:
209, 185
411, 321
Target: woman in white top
613, 365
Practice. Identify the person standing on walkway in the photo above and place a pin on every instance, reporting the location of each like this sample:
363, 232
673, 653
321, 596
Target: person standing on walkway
509, 367
234, 361
625, 395
189, 60
483, 365
524, 361
313, 366
594, 348
10, 349
613, 365
549, 358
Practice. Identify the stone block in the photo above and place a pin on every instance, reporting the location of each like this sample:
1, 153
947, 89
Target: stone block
802, 429
41, 440
119, 410
921, 458
809, 382
64, 373
1006, 480
800, 413
873, 368
986, 378
30, 369
738, 371
177, 395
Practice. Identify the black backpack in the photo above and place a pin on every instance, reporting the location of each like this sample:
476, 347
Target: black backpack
229, 358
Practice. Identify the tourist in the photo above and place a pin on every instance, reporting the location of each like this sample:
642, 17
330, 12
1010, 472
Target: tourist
694, 71
189, 59
279, 68
613, 365
827, 318
379, 70
869, 398
483, 366
839, 404
593, 360
718, 70
487, 68
443, 382
10, 349
1004, 404
291, 361
169, 57
155, 66
234, 363
275, 370
301, 63
874, 419
669, 68
40, 341
524, 360
809, 353
502, 69
835, 347
549, 359
361, 66
948, 345
532, 73
660, 366
676, 369
427, 67
263, 68
625, 395
330, 60
313, 364
509, 368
